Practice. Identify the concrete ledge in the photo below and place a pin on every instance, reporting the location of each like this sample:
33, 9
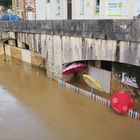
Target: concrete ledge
125, 30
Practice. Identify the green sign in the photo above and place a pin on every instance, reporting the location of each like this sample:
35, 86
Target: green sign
114, 8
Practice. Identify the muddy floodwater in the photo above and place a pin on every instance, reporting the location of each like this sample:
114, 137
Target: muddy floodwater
33, 107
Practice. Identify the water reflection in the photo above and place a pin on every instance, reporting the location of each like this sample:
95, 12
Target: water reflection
36, 108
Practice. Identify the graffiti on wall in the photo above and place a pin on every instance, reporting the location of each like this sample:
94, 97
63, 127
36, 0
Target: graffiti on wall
129, 80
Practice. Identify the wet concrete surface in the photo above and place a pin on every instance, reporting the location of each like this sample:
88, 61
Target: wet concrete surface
33, 107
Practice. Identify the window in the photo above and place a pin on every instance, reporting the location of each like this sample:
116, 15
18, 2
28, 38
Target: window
97, 8
58, 7
69, 9
17, 2
48, 1
82, 7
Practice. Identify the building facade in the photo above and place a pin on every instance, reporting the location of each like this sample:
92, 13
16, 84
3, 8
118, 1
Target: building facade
76, 9
18, 7
41, 9
92, 9
105, 9
30, 9
59, 9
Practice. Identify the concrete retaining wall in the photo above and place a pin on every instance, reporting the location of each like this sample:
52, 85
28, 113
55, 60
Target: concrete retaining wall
24, 55
65, 41
58, 50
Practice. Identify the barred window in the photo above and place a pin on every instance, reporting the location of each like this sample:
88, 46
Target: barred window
82, 7
97, 6
58, 7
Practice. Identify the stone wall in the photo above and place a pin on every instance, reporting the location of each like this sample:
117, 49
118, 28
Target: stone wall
63, 41
58, 50
122, 30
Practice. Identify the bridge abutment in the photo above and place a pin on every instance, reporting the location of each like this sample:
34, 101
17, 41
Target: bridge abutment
60, 42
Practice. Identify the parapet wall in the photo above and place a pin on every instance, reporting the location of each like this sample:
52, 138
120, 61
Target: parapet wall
125, 30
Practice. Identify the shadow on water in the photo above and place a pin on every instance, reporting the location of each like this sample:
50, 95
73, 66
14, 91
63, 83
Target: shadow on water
36, 108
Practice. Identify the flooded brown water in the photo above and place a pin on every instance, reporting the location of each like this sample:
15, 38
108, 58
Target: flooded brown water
32, 107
